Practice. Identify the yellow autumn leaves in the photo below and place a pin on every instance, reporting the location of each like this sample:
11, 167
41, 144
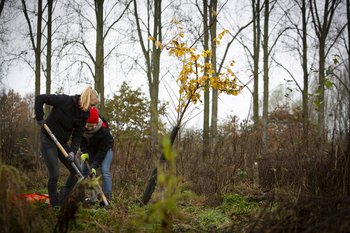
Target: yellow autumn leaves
219, 37
157, 43
196, 75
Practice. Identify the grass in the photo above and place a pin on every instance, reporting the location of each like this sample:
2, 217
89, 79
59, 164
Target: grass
177, 211
193, 216
235, 204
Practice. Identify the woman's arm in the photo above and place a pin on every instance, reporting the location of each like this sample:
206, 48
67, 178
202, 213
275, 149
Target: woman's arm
104, 146
40, 100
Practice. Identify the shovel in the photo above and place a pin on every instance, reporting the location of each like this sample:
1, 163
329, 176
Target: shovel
104, 198
63, 151
65, 154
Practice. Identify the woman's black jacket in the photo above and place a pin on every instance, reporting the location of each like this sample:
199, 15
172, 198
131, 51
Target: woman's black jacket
97, 145
66, 119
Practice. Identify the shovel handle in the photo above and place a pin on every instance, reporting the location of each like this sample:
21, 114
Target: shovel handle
63, 151
104, 198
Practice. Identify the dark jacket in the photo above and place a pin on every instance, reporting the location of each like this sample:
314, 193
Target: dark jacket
66, 119
97, 145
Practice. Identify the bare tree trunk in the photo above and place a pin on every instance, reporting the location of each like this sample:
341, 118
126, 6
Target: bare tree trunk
256, 55
152, 58
49, 50
154, 85
266, 78
103, 28
37, 51
38, 48
321, 89
99, 64
305, 75
207, 91
214, 114
322, 25
348, 27
2, 3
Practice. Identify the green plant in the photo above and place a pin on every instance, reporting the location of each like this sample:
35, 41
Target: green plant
128, 113
96, 220
159, 217
241, 173
235, 204
212, 219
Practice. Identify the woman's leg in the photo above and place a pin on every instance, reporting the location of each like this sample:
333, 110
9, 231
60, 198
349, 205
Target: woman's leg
106, 174
72, 178
49, 152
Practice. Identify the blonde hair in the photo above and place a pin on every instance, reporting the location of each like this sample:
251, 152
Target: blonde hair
86, 96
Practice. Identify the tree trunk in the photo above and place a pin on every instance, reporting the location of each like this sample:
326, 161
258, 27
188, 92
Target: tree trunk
266, 79
322, 25
256, 55
321, 99
37, 53
348, 17
305, 75
214, 114
49, 50
152, 64
99, 63
2, 3
207, 91
37, 49
154, 69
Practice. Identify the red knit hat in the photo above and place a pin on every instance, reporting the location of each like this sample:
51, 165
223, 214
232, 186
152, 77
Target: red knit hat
93, 118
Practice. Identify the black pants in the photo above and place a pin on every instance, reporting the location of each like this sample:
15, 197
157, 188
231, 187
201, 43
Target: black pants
51, 154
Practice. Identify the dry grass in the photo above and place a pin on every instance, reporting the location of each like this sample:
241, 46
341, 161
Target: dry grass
16, 214
302, 185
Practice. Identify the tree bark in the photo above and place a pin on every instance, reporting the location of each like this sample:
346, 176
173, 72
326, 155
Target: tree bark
2, 3
214, 114
322, 25
305, 75
99, 63
155, 69
256, 56
36, 45
321, 80
266, 78
152, 60
207, 91
49, 50
348, 27
37, 49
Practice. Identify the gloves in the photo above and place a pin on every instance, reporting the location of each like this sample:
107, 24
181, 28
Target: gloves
84, 157
40, 122
70, 158
93, 172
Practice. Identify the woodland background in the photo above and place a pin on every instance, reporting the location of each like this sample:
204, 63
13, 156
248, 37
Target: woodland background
282, 168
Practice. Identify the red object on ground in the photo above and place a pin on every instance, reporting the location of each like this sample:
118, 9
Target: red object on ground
36, 197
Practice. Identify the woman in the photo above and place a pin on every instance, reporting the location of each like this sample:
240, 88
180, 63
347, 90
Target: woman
66, 121
96, 147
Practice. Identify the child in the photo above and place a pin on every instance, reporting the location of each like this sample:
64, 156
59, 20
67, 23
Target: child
96, 147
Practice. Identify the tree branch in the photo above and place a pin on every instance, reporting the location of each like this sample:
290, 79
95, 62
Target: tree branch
117, 20
25, 11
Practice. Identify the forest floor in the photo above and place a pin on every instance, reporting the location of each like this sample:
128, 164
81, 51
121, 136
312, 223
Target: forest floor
245, 208
191, 213
185, 212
